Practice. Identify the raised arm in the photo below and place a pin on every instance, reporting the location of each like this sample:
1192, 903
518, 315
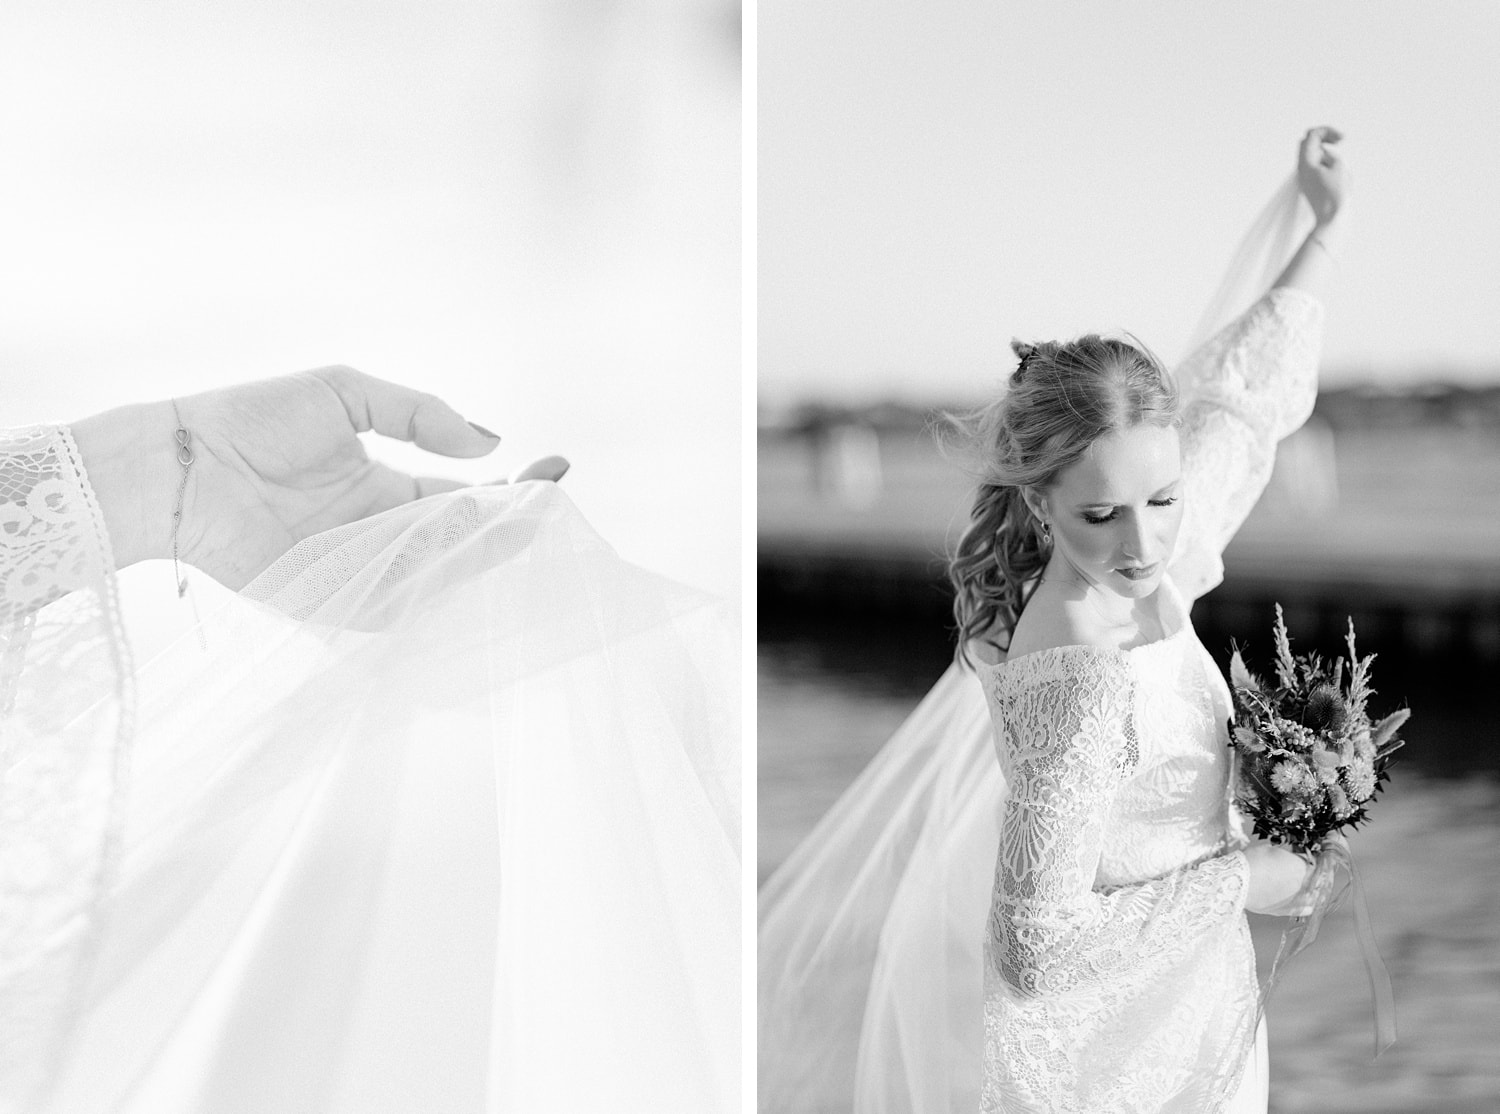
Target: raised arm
1255, 381
1323, 181
1067, 741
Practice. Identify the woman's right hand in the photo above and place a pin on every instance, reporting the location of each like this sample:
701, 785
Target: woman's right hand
1324, 181
1320, 173
273, 462
1278, 877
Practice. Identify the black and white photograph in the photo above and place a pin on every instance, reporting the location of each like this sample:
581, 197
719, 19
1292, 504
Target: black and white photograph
788, 556
1128, 501
371, 549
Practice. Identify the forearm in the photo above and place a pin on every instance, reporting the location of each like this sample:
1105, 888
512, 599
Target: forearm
129, 455
1311, 268
1097, 936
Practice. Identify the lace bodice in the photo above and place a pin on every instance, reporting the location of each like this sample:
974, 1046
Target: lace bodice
1119, 970
1116, 878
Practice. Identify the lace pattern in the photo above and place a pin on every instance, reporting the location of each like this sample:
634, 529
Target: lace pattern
1245, 389
64, 723
1079, 974
1119, 973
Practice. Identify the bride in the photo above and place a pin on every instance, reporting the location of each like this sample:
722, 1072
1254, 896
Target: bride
440, 814
1114, 971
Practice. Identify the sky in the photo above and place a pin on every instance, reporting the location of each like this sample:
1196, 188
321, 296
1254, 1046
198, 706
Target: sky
530, 208
938, 177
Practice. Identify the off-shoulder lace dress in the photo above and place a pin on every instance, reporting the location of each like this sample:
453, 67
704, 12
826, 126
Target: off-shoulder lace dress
1120, 975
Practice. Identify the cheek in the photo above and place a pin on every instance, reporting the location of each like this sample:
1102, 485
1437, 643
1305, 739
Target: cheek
1170, 527
1090, 545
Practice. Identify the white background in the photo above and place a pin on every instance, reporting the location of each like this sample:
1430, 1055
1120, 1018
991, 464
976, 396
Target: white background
939, 177
531, 209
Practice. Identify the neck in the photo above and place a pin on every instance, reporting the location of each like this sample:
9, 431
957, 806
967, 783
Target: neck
1113, 610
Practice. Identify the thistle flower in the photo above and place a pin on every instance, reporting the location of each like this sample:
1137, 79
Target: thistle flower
1325, 710
1308, 758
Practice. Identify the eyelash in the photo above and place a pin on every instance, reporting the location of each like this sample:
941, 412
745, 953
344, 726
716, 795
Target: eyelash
1112, 515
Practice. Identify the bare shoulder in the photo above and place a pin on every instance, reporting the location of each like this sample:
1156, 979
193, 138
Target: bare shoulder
1054, 619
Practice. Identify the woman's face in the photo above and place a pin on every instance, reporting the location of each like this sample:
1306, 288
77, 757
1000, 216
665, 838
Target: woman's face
1115, 511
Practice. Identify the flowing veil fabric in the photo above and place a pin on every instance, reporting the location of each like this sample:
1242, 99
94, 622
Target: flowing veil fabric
444, 818
870, 960
871, 976
1259, 258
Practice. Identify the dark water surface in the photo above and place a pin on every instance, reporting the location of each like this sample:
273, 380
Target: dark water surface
832, 688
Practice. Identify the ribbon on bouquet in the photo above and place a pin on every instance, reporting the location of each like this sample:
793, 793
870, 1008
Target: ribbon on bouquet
1335, 876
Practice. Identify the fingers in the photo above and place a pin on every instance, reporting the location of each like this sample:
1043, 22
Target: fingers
386, 487
394, 487
551, 468
1316, 146
423, 486
410, 415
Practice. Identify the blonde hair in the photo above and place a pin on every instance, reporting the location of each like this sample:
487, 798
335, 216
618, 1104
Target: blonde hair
1062, 398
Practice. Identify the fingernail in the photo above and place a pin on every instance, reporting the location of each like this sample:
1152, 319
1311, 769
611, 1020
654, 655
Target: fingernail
484, 431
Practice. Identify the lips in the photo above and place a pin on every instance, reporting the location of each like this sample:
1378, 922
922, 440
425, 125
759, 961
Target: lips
1142, 572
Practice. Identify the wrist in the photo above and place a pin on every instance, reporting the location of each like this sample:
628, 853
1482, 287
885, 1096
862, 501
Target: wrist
128, 456
1330, 226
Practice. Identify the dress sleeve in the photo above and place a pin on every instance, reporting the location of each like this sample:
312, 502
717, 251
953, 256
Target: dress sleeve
1066, 742
64, 729
1246, 388
52, 536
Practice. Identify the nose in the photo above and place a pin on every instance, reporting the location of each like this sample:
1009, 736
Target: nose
1135, 543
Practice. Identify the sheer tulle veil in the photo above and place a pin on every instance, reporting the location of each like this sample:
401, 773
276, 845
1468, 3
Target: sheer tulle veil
444, 816
1262, 253
870, 944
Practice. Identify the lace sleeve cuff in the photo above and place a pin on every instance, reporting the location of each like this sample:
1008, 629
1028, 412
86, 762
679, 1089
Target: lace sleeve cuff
52, 535
65, 702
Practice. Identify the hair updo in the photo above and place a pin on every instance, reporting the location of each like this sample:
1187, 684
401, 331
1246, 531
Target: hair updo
1062, 398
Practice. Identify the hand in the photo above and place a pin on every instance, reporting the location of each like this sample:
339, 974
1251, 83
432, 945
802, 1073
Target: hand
1278, 877
1321, 175
274, 462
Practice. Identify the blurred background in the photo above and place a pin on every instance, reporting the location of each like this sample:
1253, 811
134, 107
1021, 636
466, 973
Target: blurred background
936, 179
530, 208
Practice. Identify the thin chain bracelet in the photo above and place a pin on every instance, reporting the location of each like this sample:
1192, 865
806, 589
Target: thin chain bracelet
184, 458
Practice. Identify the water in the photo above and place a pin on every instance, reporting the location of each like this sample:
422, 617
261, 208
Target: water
829, 695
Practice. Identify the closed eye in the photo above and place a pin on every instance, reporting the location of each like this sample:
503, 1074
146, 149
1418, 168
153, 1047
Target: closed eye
1101, 519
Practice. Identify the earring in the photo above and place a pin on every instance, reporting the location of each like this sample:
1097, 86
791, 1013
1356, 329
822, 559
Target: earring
1045, 531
